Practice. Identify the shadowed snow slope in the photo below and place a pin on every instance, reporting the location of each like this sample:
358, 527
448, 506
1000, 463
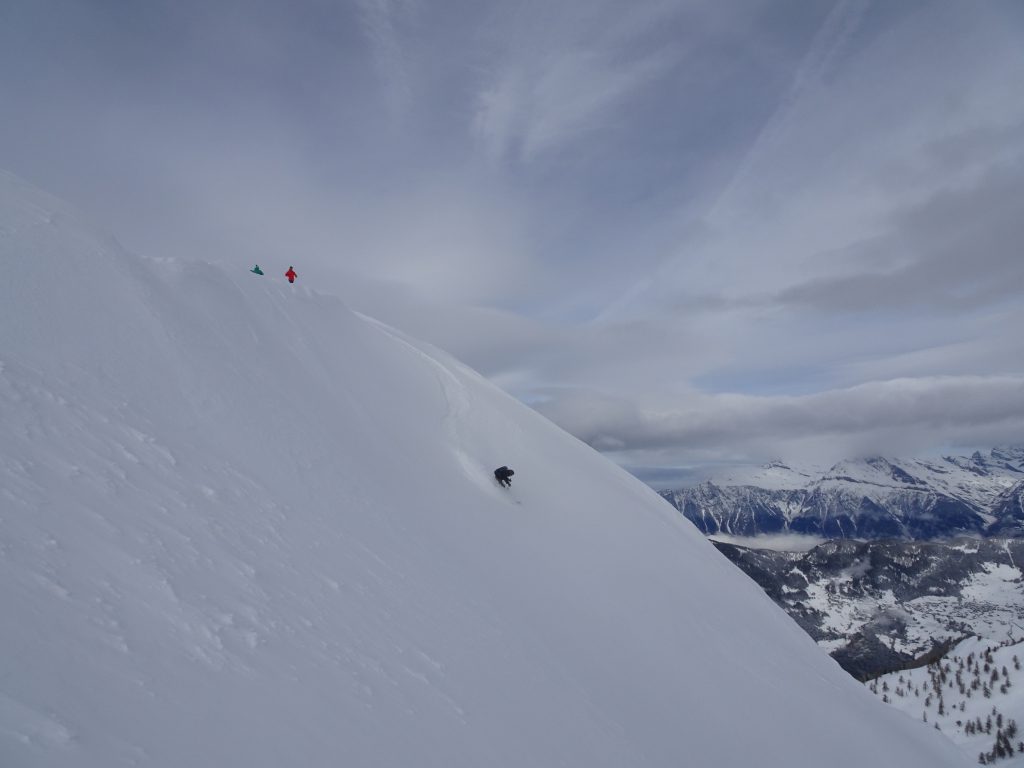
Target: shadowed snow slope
243, 526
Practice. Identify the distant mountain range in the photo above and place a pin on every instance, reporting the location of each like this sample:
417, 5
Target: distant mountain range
875, 498
921, 553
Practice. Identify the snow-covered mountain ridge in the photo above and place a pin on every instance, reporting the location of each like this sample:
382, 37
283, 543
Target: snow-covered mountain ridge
204, 560
869, 498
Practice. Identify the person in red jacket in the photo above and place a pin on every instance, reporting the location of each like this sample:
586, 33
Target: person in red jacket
291, 274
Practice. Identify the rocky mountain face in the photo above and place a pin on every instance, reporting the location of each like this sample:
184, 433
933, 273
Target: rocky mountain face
1009, 511
876, 498
878, 606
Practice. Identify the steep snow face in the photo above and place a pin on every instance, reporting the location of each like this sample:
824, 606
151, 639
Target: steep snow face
244, 526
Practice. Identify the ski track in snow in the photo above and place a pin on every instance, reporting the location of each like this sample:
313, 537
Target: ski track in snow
457, 403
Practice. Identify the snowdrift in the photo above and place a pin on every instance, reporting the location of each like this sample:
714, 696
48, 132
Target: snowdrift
242, 526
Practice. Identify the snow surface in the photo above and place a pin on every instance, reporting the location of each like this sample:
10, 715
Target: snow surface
913, 692
242, 526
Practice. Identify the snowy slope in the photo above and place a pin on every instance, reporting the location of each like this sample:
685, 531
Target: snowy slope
240, 525
972, 695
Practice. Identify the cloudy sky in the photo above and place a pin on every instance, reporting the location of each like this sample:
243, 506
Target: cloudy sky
689, 231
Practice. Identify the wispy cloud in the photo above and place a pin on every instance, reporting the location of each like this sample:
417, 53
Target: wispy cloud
898, 415
826, 48
689, 228
568, 79
381, 21
959, 250
553, 101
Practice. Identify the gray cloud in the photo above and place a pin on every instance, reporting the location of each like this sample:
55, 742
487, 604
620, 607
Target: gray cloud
959, 250
380, 19
901, 414
688, 230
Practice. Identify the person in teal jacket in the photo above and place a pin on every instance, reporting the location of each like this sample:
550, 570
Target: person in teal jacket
257, 270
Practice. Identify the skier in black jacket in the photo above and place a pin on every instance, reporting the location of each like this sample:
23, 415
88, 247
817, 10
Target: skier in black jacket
504, 476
